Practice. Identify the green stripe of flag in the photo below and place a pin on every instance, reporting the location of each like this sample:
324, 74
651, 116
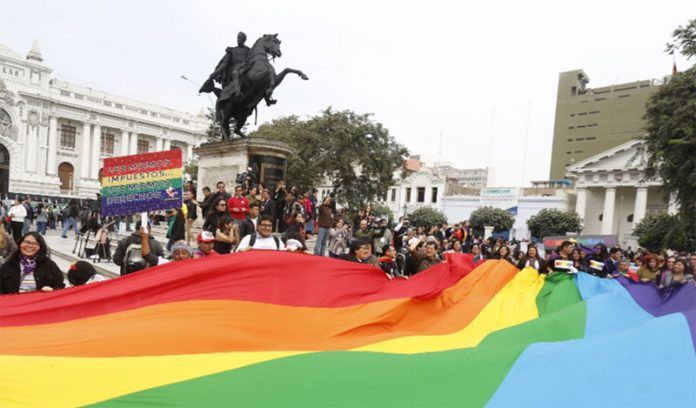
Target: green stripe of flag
142, 187
466, 377
559, 291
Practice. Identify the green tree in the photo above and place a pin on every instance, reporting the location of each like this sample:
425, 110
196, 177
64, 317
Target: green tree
191, 169
347, 150
426, 216
670, 141
500, 220
550, 221
684, 40
382, 211
660, 231
213, 131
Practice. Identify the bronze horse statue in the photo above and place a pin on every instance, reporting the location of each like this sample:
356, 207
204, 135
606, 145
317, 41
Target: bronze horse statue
257, 79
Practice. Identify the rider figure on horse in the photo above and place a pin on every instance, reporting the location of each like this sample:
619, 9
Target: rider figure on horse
228, 70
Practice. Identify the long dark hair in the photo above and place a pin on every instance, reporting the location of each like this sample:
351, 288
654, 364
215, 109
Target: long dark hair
217, 202
41, 256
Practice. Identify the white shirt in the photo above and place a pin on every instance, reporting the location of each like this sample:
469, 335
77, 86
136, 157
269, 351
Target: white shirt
18, 212
261, 243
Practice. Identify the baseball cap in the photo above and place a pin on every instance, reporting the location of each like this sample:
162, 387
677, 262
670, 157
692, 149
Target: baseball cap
205, 236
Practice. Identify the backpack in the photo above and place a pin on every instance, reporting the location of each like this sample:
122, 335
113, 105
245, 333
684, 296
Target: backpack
133, 260
252, 241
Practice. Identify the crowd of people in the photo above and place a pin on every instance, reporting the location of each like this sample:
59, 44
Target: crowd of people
285, 219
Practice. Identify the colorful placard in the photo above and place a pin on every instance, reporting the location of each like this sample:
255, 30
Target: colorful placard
142, 183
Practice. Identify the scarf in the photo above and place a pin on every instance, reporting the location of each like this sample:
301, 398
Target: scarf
27, 264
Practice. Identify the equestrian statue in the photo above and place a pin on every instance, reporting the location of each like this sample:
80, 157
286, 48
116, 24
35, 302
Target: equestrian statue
246, 76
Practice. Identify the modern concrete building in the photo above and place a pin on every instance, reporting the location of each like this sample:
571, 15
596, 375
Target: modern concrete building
54, 135
592, 120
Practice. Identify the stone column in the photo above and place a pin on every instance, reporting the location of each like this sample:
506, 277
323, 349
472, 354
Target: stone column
158, 144
84, 158
581, 202
167, 145
609, 203
31, 145
189, 152
52, 146
125, 143
96, 152
133, 143
641, 205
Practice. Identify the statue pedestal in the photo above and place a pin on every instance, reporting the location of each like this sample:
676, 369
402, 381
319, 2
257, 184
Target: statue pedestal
225, 160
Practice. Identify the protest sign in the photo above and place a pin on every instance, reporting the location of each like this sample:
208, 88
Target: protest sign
142, 183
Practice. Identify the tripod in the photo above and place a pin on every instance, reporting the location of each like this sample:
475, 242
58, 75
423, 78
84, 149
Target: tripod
82, 247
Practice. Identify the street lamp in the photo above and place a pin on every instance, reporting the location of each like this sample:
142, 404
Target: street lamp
198, 86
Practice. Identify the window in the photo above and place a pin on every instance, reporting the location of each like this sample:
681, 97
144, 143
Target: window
408, 194
393, 194
591, 138
624, 96
65, 174
107, 143
421, 195
67, 136
433, 198
143, 146
600, 99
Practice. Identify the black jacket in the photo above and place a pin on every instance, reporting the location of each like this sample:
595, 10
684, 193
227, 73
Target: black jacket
178, 231
46, 273
269, 208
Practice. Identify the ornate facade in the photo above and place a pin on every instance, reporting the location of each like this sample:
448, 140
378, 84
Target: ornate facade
612, 195
54, 135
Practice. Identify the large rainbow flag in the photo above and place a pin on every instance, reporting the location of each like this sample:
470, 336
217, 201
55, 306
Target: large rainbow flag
264, 329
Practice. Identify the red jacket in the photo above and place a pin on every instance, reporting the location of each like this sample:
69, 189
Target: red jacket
242, 204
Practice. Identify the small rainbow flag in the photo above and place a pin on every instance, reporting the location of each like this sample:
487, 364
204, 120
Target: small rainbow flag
263, 329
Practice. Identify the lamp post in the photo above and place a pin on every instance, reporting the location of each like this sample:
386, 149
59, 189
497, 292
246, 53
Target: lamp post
212, 104
198, 86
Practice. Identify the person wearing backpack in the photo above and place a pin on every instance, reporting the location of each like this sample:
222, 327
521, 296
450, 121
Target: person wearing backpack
70, 213
263, 238
128, 254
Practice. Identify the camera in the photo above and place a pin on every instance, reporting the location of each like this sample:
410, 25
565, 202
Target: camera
247, 175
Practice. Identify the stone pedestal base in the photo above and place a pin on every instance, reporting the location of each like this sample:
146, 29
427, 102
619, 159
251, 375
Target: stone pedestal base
225, 160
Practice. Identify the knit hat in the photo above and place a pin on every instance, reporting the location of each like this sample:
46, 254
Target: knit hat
182, 245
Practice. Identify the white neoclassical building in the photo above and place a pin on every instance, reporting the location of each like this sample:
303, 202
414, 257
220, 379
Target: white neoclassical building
54, 135
612, 196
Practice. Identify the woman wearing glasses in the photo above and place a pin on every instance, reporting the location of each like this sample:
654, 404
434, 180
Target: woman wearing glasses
217, 213
30, 268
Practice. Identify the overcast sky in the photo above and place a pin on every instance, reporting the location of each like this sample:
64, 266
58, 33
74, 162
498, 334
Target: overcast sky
423, 68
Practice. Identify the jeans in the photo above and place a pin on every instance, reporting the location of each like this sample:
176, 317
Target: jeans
25, 227
322, 238
66, 226
41, 227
